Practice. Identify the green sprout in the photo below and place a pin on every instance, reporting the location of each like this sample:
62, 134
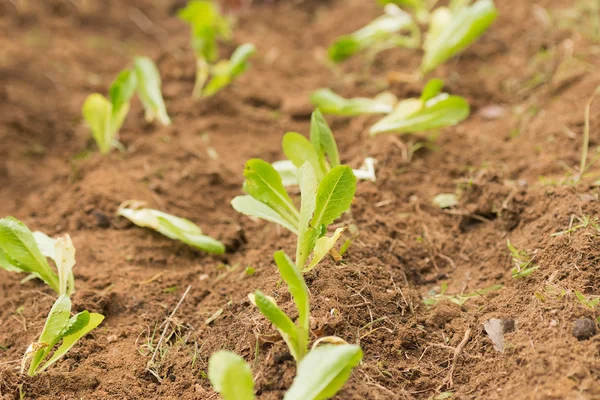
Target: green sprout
329, 102
395, 28
106, 116
591, 302
60, 326
225, 71
523, 262
322, 373
171, 226
459, 299
433, 110
24, 251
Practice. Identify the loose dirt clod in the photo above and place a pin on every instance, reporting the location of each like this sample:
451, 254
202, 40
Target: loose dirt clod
584, 328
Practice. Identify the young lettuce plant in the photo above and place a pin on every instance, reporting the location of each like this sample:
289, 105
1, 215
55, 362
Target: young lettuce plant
60, 326
322, 373
321, 152
433, 110
225, 71
453, 29
332, 103
106, 116
172, 227
208, 25
24, 251
385, 32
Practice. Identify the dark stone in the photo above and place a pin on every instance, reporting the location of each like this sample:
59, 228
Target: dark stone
584, 328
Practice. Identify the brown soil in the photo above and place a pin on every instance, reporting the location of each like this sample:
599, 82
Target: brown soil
56, 52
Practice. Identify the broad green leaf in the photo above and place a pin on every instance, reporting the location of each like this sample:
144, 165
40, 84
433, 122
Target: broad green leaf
120, 93
439, 19
377, 33
323, 141
307, 235
230, 376
225, 72
297, 287
248, 205
76, 323
322, 247
7, 264
432, 89
55, 324
265, 185
69, 341
334, 196
299, 150
148, 89
466, 26
289, 332
439, 112
173, 227
324, 371
97, 111
331, 103
21, 251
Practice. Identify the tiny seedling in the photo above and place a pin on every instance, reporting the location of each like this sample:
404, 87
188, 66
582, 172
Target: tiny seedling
169, 225
329, 102
225, 71
523, 262
60, 326
395, 28
105, 116
459, 299
24, 251
432, 111
585, 221
453, 29
591, 302
322, 373
208, 26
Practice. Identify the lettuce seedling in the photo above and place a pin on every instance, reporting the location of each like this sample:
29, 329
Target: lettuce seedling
208, 25
433, 110
451, 30
24, 251
60, 326
330, 102
382, 33
322, 373
105, 116
225, 71
172, 227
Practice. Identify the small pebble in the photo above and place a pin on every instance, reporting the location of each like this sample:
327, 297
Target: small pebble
584, 328
111, 338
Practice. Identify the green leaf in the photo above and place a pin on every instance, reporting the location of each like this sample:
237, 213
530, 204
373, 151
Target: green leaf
225, 72
432, 89
248, 205
230, 376
289, 332
97, 111
451, 37
334, 196
207, 24
297, 287
323, 141
77, 331
55, 324
323, 372
76, 323
173, 227
307, 235
439, 112
148, 90
120, 93
331, 103
21, 251
7, 264
299, 150
265, 185
322, 247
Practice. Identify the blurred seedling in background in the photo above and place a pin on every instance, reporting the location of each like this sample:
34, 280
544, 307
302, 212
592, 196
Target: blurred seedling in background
208, 27
24, 251
589, 302
522, 260
320, 151
329, 102
106, 116
460, 299
59, 327
585, 222
450, 30
322, 373
171, 226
